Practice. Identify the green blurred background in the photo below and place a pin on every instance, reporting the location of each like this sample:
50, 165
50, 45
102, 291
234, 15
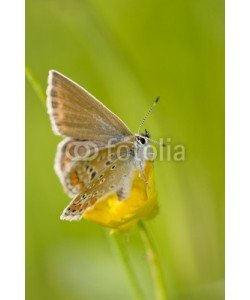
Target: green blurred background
126, 53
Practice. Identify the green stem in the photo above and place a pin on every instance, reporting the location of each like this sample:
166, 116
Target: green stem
154, 263
138, 294
35, 85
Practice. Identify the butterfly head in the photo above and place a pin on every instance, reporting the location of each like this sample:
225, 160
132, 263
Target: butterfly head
142, 139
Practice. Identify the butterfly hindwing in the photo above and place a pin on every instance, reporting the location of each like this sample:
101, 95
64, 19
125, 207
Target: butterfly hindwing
110, 176
71, 164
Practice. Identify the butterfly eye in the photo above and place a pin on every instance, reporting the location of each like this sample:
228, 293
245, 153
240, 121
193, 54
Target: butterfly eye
141, 140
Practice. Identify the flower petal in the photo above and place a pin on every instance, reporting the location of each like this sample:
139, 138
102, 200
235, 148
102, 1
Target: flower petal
122, 215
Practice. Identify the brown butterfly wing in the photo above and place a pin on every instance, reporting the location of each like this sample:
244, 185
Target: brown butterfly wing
108, 174
71, 161
75, 113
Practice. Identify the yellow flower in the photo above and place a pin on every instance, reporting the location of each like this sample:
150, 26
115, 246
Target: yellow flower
122, 215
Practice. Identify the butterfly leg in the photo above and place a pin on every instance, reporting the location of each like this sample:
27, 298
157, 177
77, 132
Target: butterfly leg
124, 190
122, 194
141, 172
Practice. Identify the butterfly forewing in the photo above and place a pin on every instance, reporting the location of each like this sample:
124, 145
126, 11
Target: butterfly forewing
77, 114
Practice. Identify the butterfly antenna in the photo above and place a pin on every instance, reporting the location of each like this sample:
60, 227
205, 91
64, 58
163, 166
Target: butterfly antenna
148, 113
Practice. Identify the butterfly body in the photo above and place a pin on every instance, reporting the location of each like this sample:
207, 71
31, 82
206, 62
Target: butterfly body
99, 155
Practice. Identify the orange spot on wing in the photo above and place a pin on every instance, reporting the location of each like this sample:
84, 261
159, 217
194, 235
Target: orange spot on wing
75, 207
92, 201
74, 178
85, 205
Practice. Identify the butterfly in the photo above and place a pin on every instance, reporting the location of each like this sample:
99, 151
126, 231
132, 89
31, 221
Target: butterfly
99, 154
